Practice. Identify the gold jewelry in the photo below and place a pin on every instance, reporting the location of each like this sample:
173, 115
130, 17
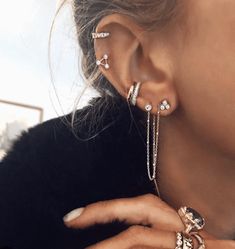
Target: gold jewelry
187, 242
200, 240
97, 35
192, 220
179, 240
183, 241
164, 105
130, 93
156, 134
103, 61
133, 93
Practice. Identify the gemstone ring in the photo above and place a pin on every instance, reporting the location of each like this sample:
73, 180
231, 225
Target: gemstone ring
192, 220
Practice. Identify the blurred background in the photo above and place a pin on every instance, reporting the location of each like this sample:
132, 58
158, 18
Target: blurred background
29, 91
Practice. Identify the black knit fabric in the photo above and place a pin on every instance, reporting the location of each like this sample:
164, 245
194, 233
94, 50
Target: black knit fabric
50, 171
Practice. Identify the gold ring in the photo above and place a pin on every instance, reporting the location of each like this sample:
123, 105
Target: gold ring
184, 241
200, 240
192, 220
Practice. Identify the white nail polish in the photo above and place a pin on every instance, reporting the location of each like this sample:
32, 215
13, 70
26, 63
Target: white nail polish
73, 214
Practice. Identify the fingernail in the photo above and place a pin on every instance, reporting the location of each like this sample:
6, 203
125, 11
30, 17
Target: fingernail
73, 214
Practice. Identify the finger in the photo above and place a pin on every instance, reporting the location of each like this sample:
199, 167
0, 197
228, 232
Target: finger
139, 237
144, 210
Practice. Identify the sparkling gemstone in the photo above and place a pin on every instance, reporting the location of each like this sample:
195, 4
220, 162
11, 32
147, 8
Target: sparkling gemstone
162, 107
106, 66
196, 217
168, 107
148, 108
164, 102
105, 56
98, 62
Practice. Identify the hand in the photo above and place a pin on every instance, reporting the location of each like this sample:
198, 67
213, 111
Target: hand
154, 223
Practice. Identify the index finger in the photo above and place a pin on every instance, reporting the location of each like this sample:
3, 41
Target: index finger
142, 210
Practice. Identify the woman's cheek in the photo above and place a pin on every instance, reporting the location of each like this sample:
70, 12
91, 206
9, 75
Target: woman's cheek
206, 88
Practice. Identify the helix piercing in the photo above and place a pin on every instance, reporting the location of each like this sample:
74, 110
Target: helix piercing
97, 35
103, 62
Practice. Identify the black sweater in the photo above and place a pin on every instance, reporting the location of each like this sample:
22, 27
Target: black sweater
50, 171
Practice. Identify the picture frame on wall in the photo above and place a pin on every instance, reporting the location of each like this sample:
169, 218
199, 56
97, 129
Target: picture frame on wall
14, 119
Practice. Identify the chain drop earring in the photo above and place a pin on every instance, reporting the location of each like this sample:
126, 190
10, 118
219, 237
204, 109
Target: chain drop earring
155, 141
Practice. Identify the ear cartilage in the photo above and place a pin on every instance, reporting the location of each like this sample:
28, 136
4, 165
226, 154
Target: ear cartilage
100, 35
103, 62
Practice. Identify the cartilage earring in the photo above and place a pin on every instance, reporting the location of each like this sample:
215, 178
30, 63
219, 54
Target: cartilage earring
100, 35
103, 62
133, 93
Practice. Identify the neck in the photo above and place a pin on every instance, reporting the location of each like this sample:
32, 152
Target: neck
193, 174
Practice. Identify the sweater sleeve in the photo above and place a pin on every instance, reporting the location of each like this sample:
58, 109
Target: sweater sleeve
46, 174
26, 201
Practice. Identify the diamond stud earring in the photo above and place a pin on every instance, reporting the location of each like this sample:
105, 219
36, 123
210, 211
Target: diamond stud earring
103, 62
164, 105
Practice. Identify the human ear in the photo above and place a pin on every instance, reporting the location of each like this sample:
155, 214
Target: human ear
135, 55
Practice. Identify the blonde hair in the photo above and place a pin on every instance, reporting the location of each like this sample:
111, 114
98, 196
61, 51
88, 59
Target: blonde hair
149, 14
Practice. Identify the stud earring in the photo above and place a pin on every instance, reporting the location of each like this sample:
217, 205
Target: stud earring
164, 105
103, 62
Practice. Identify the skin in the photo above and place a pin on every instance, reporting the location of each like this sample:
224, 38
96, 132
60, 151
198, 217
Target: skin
191, 63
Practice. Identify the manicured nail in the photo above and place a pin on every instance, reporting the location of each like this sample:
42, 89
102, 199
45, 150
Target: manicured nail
73, 214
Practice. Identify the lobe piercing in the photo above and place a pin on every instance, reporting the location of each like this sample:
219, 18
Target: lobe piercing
164, 105
103, 62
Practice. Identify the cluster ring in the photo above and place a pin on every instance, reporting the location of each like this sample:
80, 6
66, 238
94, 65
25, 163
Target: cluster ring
193, 223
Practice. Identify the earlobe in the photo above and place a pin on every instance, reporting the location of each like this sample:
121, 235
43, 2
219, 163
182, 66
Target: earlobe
164, 101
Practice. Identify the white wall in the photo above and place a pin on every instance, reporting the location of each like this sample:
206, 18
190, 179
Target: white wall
24, 70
